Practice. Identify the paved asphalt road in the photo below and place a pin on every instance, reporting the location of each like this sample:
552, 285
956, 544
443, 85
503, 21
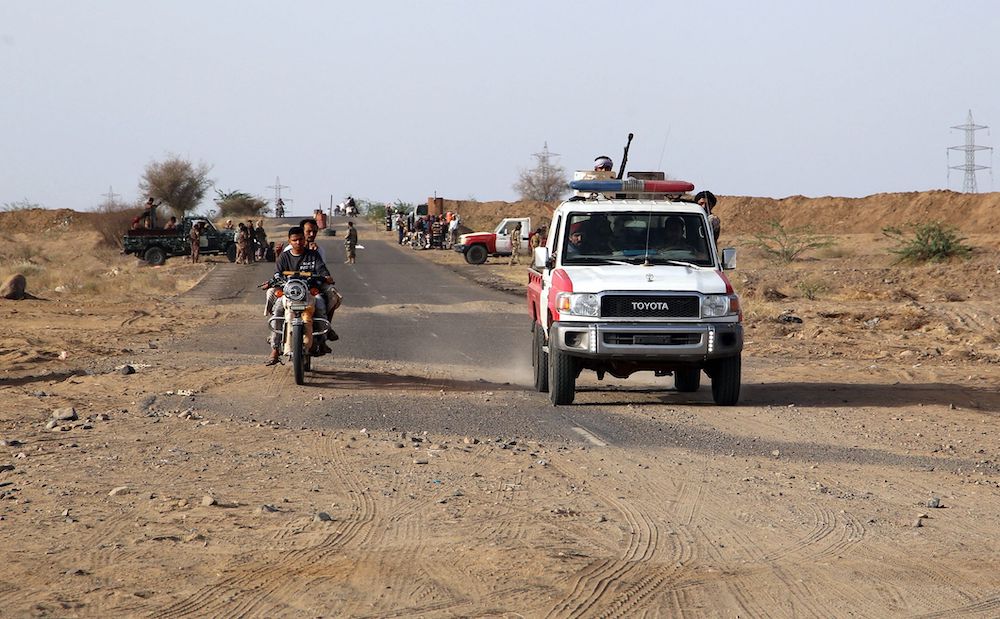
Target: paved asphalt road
397, 307
425, 331
423, 348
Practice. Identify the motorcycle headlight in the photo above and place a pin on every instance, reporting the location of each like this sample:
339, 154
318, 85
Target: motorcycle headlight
578, 304
296, 290
716, 305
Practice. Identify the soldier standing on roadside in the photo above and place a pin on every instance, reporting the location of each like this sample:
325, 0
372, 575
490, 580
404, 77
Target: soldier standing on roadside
195, 236
515, 245
351, 242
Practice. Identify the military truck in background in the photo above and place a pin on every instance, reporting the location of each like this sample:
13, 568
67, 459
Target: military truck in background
155, 245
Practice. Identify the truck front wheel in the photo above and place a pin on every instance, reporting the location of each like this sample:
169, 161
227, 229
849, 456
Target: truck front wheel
562, 377
155, 256
540, 360
476, 254
726, 377
231, 252
687, 380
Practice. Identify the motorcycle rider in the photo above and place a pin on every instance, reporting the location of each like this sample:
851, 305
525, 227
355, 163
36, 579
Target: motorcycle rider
330, 294
298, 258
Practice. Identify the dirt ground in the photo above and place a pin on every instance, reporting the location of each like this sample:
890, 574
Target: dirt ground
858, 476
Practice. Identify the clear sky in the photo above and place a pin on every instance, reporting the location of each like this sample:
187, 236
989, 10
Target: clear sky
406, 99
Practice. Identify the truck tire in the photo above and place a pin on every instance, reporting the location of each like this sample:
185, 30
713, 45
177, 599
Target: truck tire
231, 252
540, 360
155, 256
726, 376
562, 377
687, 380
476, 254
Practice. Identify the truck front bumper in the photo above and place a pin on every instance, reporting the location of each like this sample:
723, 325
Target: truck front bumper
459, 248
647, 342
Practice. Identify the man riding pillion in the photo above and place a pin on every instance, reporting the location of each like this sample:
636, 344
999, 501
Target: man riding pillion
298, 258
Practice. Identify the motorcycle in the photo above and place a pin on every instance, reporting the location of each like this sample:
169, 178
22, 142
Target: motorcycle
299, 328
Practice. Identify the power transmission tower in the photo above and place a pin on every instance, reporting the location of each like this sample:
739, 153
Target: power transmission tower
546, 181
543, 157
111, 195
277, 187
109, 198
969, 148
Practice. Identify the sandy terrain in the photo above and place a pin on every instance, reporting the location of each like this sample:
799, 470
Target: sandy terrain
814, 497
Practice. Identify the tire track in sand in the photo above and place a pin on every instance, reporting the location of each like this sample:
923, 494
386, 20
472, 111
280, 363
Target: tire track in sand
592, 586
248, 590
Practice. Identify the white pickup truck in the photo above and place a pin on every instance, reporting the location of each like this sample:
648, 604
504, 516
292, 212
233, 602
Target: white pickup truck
629, 285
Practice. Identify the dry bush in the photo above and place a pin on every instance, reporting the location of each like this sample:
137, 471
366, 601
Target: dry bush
112, 221
22, 251
812, 288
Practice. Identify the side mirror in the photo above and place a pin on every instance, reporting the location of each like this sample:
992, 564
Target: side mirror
541, 257
729, 258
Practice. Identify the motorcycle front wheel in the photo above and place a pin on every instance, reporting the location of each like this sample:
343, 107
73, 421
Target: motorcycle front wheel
298, 354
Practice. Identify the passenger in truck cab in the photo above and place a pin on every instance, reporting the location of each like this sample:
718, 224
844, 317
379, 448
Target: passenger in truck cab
575, 245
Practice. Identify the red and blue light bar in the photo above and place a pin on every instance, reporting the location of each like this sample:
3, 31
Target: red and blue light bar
632, 185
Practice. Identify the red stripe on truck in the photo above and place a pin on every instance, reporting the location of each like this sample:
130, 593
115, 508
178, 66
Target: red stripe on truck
560, 283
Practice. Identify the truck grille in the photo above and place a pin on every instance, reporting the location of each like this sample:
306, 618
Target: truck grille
649, 306
652, 339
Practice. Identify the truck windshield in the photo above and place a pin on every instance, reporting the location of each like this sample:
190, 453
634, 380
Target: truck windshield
635, 237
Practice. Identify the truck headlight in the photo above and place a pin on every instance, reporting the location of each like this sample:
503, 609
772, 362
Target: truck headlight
715, 305
578, 304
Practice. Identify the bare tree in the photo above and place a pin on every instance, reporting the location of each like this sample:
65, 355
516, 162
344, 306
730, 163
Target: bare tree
176, 182
545, 182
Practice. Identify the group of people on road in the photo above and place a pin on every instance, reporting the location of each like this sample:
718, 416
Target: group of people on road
251, 240
428, 231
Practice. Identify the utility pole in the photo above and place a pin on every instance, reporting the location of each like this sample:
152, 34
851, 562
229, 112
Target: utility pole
110, 196
969, 148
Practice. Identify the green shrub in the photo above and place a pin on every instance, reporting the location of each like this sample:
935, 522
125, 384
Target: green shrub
240, 204
812, 288
787, 244
930, 242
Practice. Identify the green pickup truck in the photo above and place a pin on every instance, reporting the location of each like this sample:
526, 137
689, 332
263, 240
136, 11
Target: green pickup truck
155, 245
